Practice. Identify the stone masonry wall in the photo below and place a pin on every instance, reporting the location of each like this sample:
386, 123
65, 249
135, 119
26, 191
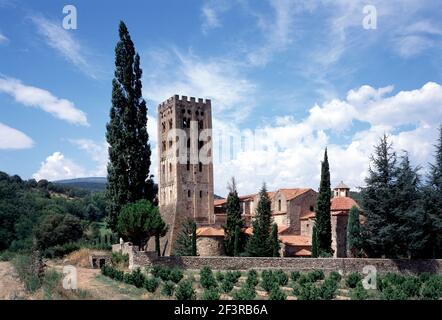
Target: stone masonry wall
141, 259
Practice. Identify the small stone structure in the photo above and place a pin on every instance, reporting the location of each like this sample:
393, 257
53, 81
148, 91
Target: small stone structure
97, 261
141, 259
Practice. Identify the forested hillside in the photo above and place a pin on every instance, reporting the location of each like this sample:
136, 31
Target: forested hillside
47, 215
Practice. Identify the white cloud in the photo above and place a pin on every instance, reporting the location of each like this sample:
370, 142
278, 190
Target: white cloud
3, 39
58, 167
35, 97
216, 79
64, 43
11, 138
98, 153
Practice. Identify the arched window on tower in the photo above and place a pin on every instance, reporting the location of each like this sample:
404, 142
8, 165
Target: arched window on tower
279, 205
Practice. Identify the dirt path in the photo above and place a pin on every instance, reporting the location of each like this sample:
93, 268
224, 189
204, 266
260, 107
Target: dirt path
10, 286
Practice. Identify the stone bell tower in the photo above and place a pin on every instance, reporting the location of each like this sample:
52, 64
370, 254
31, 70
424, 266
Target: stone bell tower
185, 165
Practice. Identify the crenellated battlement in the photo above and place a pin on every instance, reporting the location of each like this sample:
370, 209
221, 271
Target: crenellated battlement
185, 101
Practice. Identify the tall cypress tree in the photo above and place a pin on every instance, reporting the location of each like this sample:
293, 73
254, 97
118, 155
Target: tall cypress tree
274, 241
323, 219
315, 249
432, 204
353, 233
379, 202
129, 148
234, 221
186, 239
259, 242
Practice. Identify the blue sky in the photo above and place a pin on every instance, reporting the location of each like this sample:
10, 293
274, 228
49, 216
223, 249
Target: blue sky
306, 74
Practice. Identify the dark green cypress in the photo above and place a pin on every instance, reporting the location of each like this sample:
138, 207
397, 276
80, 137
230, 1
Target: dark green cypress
353, 233
194, 238
129, 149
233, 220
237, 248
259, 242
315, 249
323, 219
274, 241
186, 239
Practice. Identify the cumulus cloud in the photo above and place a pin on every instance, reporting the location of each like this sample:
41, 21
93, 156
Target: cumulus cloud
39, 98
11, 138
58, 167
3, 39
98, 153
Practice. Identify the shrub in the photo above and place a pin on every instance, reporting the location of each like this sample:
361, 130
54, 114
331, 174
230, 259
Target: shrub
127, 278
175, 275
336, 276
227, 285
151, 284
119, 259
316, 275
304, 279
328, 288
308, 292
245, 293
252, 278
168, 289
432, 288
269, 280
207, 280
390, 279
51, 281
219, 276
359, 293
233, 276
411, 286
185, 291
58, 251
156, 271
294, 275
27, 272
137, 278
6, 256
393, 293
211, 294
353, 279
277, 294
281, 277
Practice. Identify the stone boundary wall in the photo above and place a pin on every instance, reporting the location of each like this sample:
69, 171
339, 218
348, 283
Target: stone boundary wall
141, 259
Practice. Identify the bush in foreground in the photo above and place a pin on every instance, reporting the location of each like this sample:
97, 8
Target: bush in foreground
207, 280
151, 284
211, 294
353, 279
185, 291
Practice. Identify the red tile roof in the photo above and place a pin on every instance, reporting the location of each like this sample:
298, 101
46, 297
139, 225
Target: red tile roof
210, 232
219, 202
291, 194
342, 204
303, 253
281, 229
308, 215
296, 240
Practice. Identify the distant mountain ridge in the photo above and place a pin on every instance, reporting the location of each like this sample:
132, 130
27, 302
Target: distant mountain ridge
88, 183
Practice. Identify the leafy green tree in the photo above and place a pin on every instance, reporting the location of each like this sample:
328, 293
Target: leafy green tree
139, 221
274, 241
234, 221
129, 149
259, 242
57, 229
323, 218
315, 249
432, 204
186, 239
353, 233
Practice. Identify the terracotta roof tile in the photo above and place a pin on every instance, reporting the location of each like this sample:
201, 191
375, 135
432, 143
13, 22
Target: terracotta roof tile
210, 232
308, 215
291, 194
296, 240
303, 253
281, 229
342, 203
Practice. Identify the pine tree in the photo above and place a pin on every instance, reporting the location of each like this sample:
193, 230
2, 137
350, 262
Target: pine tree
353, 233
432, 204
258, 244
237, 248
379, 202
186, 239
234, 220
323, 219
274, 241
129, 148
315, 249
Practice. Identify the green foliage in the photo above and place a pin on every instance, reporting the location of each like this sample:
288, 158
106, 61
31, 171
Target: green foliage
167, 274
259, 242
139, 221
219, 276
168, 289
137, 278
207, 280
151, 284
252, 278
308, 291
234, 239
59, 251
28, 272
359, 293
129, 149
211, 293
245, 293
327, 290
294, 276
176, 274
269, 280
354, 240
336, 276
277, 294
274, 241
316, 275
432, 288
227, 285
6, 256
323, 220
120, 259
315, 245
185, 291
281, 277
353, 279
185, 242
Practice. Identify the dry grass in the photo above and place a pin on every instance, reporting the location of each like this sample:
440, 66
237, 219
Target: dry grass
80, 258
